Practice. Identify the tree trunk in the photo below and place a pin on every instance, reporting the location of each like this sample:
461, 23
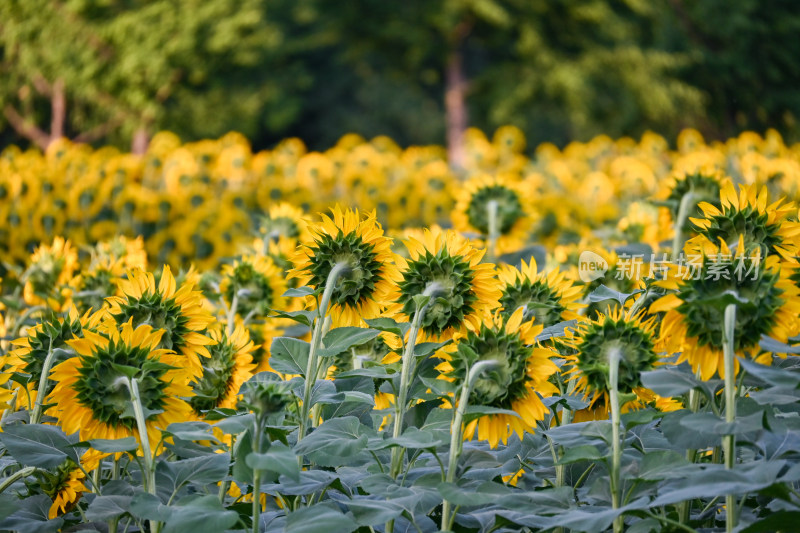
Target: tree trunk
58, 105
455, 103
140, 141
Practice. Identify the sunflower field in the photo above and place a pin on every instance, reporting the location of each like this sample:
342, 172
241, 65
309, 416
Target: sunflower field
603, 337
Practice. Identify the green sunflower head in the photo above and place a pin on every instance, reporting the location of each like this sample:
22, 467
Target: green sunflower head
218, 369
505, 382
453, 300
358, 281
704, 188
373, 350
723, 279
541, 302
153, 309
593, 346
101, 387
51, 334
265, 396
253, 289
509, 208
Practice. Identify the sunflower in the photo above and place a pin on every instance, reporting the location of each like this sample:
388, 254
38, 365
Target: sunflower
592, 343
64, 486
178, 311
97, 282
130, 251
772, 228
90, 395
766, 298
257, 283
471, 213
347, 238
51, 334
467, 290
516, 384
52, 267
548, 297
230, 365
703, 184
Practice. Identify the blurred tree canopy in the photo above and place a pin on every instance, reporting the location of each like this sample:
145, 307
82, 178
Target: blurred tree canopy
115, 71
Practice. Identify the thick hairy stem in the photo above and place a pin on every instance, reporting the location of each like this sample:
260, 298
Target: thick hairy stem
316, 341
694, 404
144, 441
229, 327
41, 392
680, 222
456, 434
406, 372
16, 476
616, 447
257, 479
728, 442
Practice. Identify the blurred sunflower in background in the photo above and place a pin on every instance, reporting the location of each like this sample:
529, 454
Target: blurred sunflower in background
512, 210
517, 383
466, 290
256, 283
51, 268
370, 273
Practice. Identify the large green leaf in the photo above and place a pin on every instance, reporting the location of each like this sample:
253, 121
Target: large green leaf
336, 442
340, 340
200, 515
278, 458
289, 355
320, 518
38, 445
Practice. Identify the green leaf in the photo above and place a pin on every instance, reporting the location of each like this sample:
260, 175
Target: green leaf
485, 494
127, 444
412, 439
205, 469
235, 424
320, 518
278, 458
657, 465
105, 508
31, 516
289, 355
342, 339
603, 293
556, 330
389, 325
192, 431
297, 292
424, 349
201, 515
145, 506
477, 411
585, 452
305, 318
38, 445
336, 442
668, 382
368, 512
777, 521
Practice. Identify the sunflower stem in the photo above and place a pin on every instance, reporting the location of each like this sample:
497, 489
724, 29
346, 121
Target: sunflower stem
680, 222
259, 430
405, 377
616, 448
16, 476
232, 314
494, 231
728, 442
144, 441
456, 434
694, 404
41, 391
316, 341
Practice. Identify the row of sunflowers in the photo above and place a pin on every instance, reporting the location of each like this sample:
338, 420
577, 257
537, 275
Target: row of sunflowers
593, 338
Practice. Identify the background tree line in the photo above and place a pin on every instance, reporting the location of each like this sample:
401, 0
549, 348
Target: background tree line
420, 71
